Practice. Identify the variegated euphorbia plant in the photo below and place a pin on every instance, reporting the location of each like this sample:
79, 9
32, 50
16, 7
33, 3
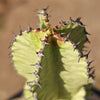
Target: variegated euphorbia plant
53, 60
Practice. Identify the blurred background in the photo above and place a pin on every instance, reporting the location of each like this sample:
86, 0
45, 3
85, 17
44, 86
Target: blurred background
16, 13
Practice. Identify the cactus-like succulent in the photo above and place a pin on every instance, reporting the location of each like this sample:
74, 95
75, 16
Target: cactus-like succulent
53, 60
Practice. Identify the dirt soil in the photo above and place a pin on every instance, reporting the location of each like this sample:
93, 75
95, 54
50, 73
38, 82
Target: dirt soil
23, 12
